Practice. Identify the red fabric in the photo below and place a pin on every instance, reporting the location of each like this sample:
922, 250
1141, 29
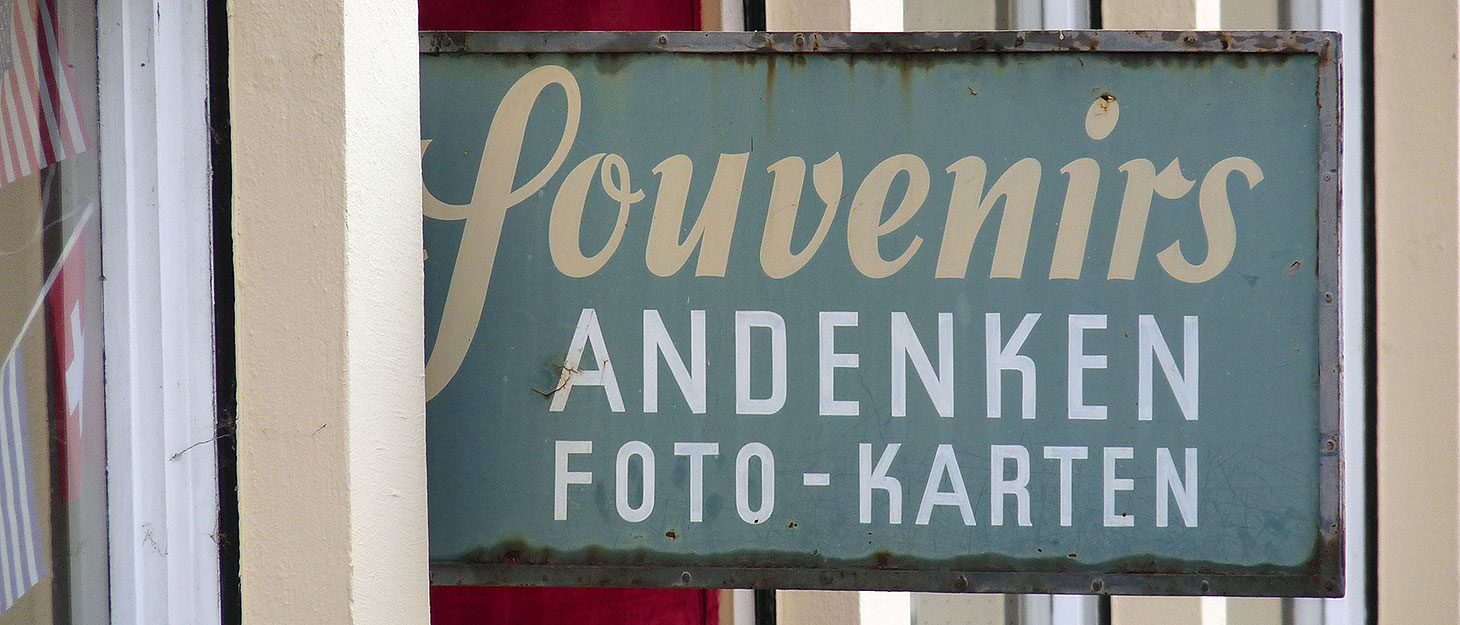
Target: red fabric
458, 605
64, 304
560, 15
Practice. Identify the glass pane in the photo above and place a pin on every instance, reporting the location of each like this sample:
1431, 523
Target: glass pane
53, 547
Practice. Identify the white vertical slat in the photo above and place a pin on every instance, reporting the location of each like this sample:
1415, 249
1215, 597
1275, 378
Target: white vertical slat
186, 314
129, 212
743, 602
1346, 16
1074, 610
885, 608
1304, 14
1036, 610
1213, 611
1307, 611
732, 16
1028, 14
1066, 14
158, 298
876, 15
1208, 14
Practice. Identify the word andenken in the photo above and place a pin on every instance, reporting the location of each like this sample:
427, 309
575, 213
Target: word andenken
907, 347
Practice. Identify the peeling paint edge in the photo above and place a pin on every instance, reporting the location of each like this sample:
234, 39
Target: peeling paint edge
1320, 43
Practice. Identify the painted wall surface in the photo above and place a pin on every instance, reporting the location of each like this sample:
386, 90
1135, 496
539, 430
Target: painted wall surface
808, 15
1418, 290
921, 15
553, 390
949, 609
819, 607
1162, 15
328, 289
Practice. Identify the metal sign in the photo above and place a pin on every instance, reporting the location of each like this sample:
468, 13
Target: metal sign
1018, 312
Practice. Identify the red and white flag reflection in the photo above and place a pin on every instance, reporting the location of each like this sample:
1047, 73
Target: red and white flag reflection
22, 556
64, 304
40, 114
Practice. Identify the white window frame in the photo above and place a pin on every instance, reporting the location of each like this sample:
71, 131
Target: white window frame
156, 223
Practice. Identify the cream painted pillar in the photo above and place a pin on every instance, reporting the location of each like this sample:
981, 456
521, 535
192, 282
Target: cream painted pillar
1250, 611
933, 608
1250, 14
1156, 611
808, 15
919, 15
1415, 163
818, 607
327, 253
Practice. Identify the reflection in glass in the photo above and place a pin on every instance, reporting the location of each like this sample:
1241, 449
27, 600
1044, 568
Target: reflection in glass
53, 533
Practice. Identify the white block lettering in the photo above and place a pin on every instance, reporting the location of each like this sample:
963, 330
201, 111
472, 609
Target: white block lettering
585, 334
905, 347
767, 483
562, 477
1001, 487
830, 361
630, 513
945, 463
691, 379
869, 478
696, 453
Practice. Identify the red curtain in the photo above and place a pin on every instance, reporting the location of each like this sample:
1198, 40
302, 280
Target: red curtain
560, 14
457, 605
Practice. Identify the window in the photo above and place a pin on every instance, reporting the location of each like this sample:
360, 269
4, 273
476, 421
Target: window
53, 530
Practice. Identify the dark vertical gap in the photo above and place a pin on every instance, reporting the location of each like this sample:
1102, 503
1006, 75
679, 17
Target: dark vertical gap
221, 146
754, 11
1102, 607
52, 212
60, 510
1285, 15
1371, 345
1012, 610
765, 599
1097, 22
1003, 18
1286, 613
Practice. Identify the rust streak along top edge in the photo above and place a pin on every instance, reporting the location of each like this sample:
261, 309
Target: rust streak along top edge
1322, 43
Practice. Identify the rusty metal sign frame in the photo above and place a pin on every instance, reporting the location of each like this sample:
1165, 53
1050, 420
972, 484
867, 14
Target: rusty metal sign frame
1326, 574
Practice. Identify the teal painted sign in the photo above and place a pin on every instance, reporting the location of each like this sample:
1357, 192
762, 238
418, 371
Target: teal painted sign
737, 313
